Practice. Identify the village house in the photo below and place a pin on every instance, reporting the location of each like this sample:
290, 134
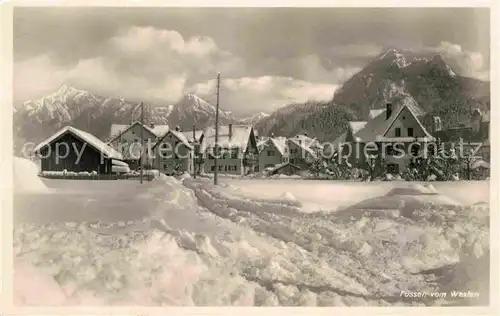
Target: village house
176, 151
272, 151
473, 135
391, 138
302, 148
127, 140
74, 150
236, 151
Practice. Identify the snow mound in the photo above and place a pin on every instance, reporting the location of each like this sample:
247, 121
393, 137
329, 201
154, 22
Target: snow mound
288, 196
26, 276
415, 196
26, 178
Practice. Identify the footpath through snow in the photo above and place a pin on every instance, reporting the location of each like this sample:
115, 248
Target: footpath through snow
204, 246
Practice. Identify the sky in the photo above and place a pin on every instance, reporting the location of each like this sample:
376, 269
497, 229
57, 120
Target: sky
267, 57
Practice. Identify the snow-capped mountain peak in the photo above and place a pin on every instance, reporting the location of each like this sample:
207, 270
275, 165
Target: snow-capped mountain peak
254, 119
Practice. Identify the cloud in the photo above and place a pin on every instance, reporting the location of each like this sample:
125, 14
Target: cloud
157, 64
466, 63
248, 95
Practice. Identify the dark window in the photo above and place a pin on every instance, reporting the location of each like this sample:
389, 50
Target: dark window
389, 150
234, 154
415, 148
165, 166
410, 132
212, 168
270, 153
393, 168
220, 168
431, 149
398, 132
225, 168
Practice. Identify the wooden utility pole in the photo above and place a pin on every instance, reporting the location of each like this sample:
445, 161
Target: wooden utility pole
141, 165
216, 145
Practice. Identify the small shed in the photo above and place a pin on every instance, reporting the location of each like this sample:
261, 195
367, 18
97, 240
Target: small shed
74, 150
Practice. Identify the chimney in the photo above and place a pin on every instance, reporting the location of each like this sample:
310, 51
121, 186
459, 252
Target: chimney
272, 134
152, 124
194, 133
388, 110
177, 129
230, 131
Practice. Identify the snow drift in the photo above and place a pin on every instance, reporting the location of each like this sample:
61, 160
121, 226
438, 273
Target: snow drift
26, 178
204, 246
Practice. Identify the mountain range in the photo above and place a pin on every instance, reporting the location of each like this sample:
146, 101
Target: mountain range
424, 80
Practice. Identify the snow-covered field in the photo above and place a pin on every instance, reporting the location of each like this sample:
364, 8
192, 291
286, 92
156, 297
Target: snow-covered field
172, 242
329, 195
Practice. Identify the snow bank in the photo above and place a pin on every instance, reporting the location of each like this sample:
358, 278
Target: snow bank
236, 251
26, 179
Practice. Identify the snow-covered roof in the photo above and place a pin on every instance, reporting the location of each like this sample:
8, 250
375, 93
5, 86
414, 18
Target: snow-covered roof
356, 126
185, 137
306, 143
280, 144
239, 138
379, 125
180, 136
375, 112
84, 136
197, 134
117, 129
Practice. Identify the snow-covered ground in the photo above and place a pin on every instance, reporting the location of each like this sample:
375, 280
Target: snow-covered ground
169, 242
330, 195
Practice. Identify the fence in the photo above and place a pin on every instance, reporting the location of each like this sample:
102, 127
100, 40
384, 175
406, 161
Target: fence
146, 177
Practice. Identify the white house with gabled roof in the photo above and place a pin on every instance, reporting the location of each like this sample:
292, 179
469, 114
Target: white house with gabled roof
393, 135
301, 148
273, 151
237, 151
176, 150
127, 140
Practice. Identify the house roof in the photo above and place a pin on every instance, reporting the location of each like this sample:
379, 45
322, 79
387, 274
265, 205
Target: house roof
118, 129
278, 142
375, 112
179, 135
88, 138
239, 138
197, 135
377, 127
280, 166
306, 143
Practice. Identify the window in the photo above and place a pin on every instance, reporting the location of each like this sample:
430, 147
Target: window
269, 165
165, 166
415, 149
234, 154
212, 168
220, 168
398, 132
225, 168
270, 153
393, 168
389, 150
410, 132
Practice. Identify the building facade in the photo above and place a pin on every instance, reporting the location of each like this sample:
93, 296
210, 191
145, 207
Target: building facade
236, 150
273, 151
